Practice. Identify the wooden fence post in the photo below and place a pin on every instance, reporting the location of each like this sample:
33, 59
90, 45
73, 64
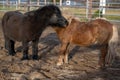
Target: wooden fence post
60, 2
90, 9
28, 5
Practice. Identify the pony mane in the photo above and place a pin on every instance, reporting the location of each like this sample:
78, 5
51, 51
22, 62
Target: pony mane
42, 13
48, 10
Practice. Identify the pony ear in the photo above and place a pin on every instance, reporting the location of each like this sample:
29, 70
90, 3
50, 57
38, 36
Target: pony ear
70, 19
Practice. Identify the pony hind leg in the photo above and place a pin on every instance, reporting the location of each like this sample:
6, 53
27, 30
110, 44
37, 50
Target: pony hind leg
63, 57
6, 44
35, 49
104, 51
9, 45
7, 41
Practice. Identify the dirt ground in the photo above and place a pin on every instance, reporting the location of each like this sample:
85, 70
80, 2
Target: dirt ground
83, 63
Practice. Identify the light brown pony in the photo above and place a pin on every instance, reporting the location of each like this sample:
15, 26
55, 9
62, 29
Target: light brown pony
99, 31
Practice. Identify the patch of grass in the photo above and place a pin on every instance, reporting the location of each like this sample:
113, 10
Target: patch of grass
113, 17
1, 15
7, 8
81, 12
97, 13
74, 11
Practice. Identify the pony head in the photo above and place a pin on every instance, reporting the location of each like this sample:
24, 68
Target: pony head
53, 15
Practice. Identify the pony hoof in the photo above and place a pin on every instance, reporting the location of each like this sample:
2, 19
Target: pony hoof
35, 57
66, 62
12, 54
59, 64
103, 68
25, 58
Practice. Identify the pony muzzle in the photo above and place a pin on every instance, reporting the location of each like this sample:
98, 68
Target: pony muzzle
64, 22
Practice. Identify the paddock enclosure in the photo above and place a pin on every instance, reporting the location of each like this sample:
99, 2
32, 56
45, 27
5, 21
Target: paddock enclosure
83, 61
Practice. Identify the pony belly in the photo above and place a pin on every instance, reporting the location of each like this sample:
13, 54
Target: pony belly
82, 43
14, 38
86, 42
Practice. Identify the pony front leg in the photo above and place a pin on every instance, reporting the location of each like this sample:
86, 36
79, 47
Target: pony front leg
9, 45
104, 51
66, 58
66, 53
63, 57
25, 50
35, 49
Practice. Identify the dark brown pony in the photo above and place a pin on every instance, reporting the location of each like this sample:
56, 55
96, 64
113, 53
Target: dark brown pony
29, 26
99, 31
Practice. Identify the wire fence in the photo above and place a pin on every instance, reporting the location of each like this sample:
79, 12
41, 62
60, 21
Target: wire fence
84, 9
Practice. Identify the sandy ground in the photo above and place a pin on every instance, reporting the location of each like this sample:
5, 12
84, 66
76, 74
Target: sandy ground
83, 63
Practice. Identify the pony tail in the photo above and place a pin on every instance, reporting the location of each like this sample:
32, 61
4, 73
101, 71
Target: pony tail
113, 43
